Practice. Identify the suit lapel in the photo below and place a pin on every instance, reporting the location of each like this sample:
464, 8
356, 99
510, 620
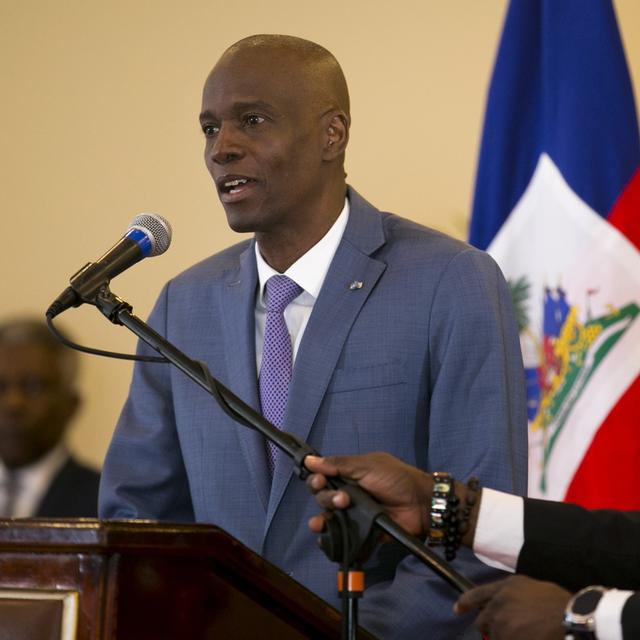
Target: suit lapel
333, 314
238, 307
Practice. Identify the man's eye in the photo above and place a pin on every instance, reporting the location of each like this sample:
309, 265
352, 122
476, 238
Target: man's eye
253, 120
210, 130
29, 385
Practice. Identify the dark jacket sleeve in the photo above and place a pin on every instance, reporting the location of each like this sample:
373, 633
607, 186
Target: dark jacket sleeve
575, 547
631, 618
73, 493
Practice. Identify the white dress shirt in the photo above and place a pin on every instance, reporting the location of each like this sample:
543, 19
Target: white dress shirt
308, 272
33, 481
499, 538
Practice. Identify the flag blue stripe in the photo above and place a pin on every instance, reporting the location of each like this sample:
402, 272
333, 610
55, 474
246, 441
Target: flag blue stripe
560, 86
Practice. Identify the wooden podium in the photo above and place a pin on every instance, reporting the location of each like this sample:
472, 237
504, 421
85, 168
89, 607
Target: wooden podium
137, 580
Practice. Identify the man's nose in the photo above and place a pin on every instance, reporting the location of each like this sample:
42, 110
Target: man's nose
226, 146
13, 395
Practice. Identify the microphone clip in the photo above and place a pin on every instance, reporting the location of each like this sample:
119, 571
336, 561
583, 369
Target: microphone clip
84, 288
109, 304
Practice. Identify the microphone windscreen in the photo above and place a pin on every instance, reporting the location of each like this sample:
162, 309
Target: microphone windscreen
157, 229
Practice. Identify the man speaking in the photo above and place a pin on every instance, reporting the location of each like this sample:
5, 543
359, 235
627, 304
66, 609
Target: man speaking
355, 330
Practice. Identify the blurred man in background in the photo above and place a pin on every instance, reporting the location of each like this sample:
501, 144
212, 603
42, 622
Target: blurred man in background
38, 399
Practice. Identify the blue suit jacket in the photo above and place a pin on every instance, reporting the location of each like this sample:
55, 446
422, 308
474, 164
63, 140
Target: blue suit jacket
423, 361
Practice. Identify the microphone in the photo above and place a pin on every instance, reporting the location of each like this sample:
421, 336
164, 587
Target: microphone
148, 235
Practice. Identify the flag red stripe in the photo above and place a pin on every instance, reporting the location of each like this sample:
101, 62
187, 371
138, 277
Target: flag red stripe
625, 214
608, 474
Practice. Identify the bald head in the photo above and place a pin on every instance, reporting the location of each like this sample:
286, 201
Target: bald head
309, 63
33, 332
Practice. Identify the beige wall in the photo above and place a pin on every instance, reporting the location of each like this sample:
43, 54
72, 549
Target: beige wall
99, 121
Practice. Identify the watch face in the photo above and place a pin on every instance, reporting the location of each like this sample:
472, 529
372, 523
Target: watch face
586, 602
578, 616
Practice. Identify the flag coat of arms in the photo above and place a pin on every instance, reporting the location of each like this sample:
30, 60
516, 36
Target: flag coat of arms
557, 204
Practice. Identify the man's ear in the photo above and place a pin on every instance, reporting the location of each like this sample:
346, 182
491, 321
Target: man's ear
72, 406
336, 135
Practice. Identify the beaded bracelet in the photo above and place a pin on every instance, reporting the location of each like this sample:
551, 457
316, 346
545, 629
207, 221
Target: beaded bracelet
446, 526
442, 486
453, 537
442, 501
473, 487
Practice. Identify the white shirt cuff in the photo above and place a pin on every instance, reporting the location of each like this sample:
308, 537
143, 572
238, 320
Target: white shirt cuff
608, 614
500, 529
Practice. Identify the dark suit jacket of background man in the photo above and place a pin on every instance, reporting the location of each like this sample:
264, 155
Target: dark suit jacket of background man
72, 493
576, 548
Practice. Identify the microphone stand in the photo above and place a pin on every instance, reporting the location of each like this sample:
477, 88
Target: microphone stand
352, 534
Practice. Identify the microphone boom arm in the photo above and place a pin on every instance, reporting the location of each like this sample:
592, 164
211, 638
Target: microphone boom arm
364, 509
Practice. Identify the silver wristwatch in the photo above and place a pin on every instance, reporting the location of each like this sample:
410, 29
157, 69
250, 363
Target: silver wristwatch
579, 621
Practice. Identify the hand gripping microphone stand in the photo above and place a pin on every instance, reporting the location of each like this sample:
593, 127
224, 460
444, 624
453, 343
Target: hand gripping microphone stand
352, 534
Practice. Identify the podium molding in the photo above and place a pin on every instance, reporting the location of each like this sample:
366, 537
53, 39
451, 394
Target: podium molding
144, 580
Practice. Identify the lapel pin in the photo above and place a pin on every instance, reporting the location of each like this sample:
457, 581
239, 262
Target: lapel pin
356, 284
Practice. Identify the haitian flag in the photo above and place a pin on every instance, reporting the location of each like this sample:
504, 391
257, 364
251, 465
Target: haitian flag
557, 204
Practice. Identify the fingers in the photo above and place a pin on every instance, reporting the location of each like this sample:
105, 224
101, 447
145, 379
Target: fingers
317, 464
477, 597
317, 523
327, 498
333, 499
349, 466
353, 467
316, 482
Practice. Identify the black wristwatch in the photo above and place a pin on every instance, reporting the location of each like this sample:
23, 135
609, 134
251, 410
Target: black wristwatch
579, 621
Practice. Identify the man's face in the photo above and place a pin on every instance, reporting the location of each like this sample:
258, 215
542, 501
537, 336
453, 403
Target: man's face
263, 141
35, 403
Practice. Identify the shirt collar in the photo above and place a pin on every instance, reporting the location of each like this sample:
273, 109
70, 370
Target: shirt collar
310, 269
41, 468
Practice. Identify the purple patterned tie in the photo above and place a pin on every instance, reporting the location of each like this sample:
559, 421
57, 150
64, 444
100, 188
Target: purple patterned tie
277, 356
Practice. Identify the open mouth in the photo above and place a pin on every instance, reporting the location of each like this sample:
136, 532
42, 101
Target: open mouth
230, 186
234, 186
